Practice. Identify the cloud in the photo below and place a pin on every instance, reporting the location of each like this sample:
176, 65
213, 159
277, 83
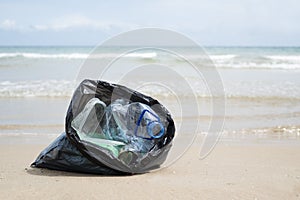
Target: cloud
69, 22
72, 22
8, 24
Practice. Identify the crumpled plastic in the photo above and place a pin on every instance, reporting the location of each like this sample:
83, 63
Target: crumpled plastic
70, 153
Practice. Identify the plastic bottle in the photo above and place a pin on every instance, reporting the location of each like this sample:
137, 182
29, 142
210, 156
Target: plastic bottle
88, 127
137, 125
87, 122
126, 129
143, 121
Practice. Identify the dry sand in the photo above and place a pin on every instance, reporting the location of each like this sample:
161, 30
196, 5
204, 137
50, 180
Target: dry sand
231, 171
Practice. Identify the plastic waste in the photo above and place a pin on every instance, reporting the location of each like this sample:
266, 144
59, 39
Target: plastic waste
86, 123
121, 127
110, 129
143, 121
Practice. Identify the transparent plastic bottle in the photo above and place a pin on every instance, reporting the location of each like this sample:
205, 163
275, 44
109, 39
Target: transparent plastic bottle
87, 122
143, 121
126, 129
88, 127
138, 125
135, 124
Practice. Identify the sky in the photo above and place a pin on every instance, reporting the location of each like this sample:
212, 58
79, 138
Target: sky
208, 22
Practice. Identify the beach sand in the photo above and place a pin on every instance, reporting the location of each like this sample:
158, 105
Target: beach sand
232, 171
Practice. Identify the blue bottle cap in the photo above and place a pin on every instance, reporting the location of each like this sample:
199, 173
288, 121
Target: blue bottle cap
150, 127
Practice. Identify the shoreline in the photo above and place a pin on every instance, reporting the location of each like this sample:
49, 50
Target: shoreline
44, 134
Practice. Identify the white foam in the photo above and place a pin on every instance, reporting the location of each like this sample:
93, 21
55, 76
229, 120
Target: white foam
45, 88
142, 55
271, 62
223, 57
40, 55
253, 65
291, 58
75, 55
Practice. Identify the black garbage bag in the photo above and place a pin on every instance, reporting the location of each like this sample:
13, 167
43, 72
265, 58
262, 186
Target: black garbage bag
110, 130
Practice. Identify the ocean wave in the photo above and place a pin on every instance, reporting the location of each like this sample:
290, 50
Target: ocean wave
64, 88
76, 55
142, 55
223, 57
40, 55
262, 66
257, 62
234, 61
41, 88
289, 58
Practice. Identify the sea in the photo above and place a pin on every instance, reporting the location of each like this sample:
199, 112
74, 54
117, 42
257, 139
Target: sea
261, 88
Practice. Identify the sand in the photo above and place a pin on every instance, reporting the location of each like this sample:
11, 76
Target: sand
231, 171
